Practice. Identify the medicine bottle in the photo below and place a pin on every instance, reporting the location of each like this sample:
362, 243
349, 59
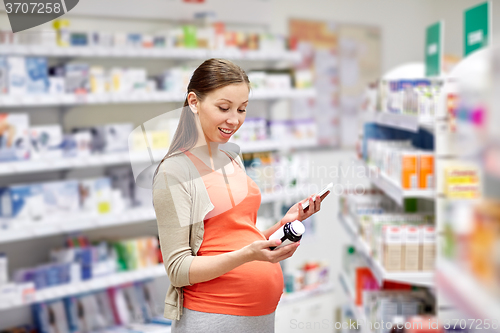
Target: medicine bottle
290, 233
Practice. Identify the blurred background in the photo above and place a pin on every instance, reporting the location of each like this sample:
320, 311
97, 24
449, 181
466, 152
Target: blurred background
395, 102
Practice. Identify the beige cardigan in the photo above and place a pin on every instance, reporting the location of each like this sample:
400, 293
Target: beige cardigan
181, 202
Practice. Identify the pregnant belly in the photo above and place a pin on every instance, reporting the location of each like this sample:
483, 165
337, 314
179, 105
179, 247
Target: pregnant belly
252, 289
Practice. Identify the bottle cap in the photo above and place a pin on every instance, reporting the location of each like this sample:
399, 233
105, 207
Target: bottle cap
297, 228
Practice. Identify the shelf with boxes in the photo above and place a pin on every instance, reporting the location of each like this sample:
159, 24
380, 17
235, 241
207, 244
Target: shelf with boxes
103, 160
30, 229
138, 52
376, 307
406, 122
31, 82
417, 278
91, 285
44, 100
407, 104
46, 148
55, 226
398, 244
392, 188
202, 37
81, 267
468, 267
128, 307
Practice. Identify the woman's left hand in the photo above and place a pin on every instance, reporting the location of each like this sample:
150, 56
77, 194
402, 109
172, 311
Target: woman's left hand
296, 212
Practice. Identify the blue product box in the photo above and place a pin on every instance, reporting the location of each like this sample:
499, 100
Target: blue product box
61, 198
17, 75
71, 309
46, 141
14, 137
37, 78
77, 78
22, 203
4, 78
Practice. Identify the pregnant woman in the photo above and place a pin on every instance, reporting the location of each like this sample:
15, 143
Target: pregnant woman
223, 275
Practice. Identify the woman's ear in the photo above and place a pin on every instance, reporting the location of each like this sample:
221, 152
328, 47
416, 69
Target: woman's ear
193, 102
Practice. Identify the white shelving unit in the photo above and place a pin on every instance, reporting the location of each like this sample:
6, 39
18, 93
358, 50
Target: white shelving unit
413, 278
102, 160
43, 100
160, 53
393, 189
56, 226
91, 285
405, 122
466, 292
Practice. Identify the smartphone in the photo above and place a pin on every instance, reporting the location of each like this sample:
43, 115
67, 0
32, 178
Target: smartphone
324, 192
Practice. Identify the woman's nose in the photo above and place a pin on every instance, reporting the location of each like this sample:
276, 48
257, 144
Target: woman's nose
233, 120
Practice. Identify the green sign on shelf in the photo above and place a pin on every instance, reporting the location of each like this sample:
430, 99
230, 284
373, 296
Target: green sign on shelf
433, 49
477, 28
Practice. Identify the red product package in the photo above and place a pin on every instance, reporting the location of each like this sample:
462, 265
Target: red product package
363, 278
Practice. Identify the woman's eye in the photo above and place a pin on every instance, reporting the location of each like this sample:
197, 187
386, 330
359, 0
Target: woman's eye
222, 109
242, 110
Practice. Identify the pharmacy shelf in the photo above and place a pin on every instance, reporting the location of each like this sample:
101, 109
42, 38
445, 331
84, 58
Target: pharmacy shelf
47, 165
92, 285
413, 278
393, 189
138, 52
466, 292
297, 296
60, 225
405, 122
44, 100
103, 160
356, 309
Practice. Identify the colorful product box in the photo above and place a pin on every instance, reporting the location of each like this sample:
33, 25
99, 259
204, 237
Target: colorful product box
77, 78
37, 80
17, 75
14, 137
409, 174
411, 248
426, 171
4, 76
428, 248
61, 198
116, 136
95, 195
392, 246
22, 203
46, 142
462, 182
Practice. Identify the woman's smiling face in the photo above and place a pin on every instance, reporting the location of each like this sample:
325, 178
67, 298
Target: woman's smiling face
223, 111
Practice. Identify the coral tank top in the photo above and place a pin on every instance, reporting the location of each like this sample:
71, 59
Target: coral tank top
254, 288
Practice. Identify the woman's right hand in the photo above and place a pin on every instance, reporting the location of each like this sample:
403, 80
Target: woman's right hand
260, 250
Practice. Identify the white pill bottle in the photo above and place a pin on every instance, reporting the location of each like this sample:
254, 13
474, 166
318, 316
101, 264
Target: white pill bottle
290, 233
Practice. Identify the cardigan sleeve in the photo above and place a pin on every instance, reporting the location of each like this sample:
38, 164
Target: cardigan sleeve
172, 203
